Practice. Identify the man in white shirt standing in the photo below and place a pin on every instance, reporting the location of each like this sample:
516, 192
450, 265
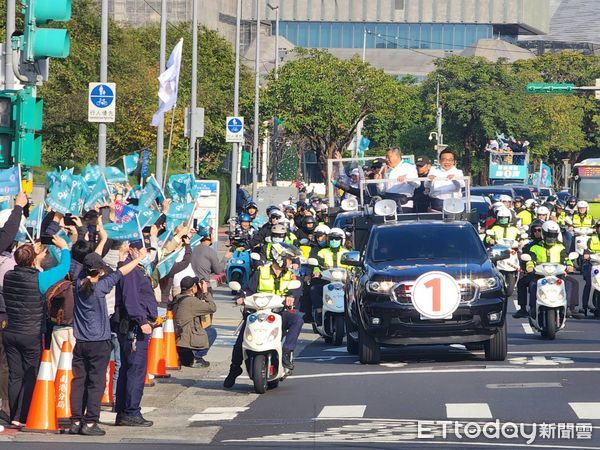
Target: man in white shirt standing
401, 172
445, 181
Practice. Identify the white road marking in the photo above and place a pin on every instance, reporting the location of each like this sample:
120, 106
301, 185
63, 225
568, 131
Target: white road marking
516, 303
468, 411
336, 349
215, 413
342, 411
553, 352
540, 360
527, 328
586, 410
523, 385
433, 371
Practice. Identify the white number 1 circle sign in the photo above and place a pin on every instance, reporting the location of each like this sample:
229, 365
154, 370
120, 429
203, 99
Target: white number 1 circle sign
436, 295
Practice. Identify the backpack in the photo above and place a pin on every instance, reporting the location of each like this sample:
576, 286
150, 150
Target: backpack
56, 297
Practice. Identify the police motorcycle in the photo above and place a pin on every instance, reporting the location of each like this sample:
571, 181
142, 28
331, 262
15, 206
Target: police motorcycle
262, 346
551, 305
332, 326
239, 266
595, 275
509, 268
582, 237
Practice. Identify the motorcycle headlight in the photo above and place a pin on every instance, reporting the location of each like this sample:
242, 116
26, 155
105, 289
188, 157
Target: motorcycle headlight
380, 287
487, 284
261, 302
238, 261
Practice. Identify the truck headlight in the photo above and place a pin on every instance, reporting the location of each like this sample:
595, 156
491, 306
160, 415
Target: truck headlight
487, 284
380, 287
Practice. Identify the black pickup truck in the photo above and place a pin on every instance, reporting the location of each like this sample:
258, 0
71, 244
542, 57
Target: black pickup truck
380, 309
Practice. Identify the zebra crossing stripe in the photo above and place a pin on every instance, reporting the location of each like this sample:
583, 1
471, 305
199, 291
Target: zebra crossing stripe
468, 411
342, 411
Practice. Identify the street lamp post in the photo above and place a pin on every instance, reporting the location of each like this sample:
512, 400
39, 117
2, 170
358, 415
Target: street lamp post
256, 105
236, 102
103, 79
274, 155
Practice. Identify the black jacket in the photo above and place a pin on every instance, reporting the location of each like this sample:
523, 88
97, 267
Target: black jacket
25, 306
9, 231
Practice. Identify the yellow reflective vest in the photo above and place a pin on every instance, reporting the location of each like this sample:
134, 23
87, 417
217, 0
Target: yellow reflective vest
329, 260
585, 221
267, 282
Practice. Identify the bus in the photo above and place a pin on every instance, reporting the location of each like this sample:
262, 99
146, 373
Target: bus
586, 184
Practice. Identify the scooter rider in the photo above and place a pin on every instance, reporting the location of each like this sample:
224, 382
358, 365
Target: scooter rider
521, 211
586, 267
550, 250
272, 278
244, 230
275, 215
328, 257
502, 229
582, 218
306, 228
571, 208
252, 210
535, 232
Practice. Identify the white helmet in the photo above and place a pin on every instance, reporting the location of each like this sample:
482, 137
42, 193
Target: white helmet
530, 202
582, 204
550, 231
503, 216
505, 198
542, 211
496, 206
322, 229
337, 233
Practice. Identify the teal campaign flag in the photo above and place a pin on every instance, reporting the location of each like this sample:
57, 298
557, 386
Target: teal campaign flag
163, 238
78, 193
130, 162
181, 211
98, 194
10, 181
147, 217
91, 174
34, 221
52, 177
114, 175
126, 231
151, 191
165, 265
59, 198
180, 185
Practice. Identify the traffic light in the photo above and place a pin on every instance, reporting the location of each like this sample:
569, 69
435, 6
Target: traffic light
20, 119
39, 43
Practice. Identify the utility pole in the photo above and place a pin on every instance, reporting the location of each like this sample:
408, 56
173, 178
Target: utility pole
274, 154
256, 105
103, 79
192, 147
9, 76
236, 103
438, 120
160, 131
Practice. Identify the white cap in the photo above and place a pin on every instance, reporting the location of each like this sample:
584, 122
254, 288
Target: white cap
355, 172
582, 204
505, 198
542, 210
324, 229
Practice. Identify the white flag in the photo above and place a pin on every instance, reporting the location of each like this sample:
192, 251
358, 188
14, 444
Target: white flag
168, 84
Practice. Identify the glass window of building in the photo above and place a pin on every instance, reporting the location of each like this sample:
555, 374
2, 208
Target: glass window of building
336, 35
313, 34
425, 36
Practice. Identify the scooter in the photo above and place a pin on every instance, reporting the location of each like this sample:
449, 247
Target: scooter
551, 305
509, 268
582, 236
238, 267
261, 345
332, 326
595, 275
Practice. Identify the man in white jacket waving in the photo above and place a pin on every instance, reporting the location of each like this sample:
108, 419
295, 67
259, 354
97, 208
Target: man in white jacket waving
445, 181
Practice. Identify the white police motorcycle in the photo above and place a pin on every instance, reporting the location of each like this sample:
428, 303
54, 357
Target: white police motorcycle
509, 267
261, 343
595, 278
332, 326
551, 305
582, 237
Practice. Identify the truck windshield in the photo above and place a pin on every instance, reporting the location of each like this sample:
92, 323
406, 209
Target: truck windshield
420, 241
589, 190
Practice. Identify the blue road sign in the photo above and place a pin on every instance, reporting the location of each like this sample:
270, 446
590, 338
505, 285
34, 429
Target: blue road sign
102, 96
234, 125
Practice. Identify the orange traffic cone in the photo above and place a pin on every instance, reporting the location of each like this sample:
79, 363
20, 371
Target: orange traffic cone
156, 355
171, 356
62, 383
149, 382
42, 412
107, 396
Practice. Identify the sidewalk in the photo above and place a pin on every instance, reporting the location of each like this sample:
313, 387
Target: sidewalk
178, 405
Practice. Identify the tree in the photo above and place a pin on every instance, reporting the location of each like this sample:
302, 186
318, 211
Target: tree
322, 99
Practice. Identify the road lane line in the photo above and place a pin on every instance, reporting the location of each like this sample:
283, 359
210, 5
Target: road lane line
225, 409
468, 411
555, 369
586, 410
527, 328
342, 411
212, 417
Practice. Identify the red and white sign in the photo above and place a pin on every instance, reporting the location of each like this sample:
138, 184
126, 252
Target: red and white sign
436, 295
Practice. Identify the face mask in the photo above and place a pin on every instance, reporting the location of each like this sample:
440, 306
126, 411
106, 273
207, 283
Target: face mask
323, 243
503, 221
335, 244
277, 240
